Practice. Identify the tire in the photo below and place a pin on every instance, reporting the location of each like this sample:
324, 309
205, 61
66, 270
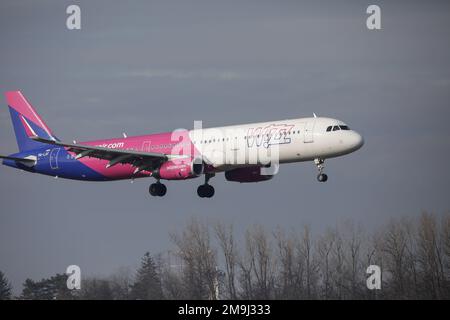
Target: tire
201, 191
157, 189
209, 191
205, 191
153, 189
162, 190
322, 177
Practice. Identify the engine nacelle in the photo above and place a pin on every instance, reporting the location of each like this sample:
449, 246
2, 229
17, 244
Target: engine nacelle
248, 174
179, 169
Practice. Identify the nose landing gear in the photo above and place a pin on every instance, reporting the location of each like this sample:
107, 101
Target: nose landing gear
321, 177
157, 189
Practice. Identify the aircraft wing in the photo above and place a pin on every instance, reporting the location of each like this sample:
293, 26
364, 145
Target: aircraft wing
140, 160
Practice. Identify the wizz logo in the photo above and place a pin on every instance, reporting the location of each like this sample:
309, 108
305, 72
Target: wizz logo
270, 135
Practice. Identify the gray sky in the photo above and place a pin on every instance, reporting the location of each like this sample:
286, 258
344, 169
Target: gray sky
157, 66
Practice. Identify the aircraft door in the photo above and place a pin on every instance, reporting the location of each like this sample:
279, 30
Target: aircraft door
54, 158
146, 146
308, 132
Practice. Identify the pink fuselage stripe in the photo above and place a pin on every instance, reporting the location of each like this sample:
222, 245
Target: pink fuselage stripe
166, 143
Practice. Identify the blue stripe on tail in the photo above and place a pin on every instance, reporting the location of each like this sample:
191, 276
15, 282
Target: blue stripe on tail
23, 141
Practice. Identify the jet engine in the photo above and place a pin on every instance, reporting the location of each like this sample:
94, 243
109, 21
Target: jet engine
179, 169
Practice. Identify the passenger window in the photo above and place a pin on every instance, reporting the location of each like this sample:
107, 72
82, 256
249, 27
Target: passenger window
329, 129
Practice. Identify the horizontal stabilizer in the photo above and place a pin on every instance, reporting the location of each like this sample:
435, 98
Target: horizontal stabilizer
26, 161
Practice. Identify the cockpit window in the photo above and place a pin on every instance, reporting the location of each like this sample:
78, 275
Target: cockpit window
336, 128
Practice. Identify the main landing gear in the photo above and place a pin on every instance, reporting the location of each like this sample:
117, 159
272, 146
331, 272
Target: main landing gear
321, 177
157, 189
206, 190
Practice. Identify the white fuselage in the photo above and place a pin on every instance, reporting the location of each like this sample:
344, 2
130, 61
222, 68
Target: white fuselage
284, 141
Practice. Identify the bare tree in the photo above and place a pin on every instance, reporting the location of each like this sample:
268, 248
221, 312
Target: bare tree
286, 256
394, 248
325, 246
298, 268
173, 288
445, 238
339, 266
96, 289
199, 260
245, 277
411, 264
305, 252
225, 237
260, 273
120, 283
430, 256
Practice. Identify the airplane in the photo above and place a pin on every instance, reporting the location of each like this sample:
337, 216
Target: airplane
240, 151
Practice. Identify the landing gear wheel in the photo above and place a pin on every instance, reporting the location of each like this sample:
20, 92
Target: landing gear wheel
153, 189
162, 190
201, 191
157, 189
322, 177
205, 191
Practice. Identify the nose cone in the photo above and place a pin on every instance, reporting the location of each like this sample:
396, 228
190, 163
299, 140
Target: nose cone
355, 141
